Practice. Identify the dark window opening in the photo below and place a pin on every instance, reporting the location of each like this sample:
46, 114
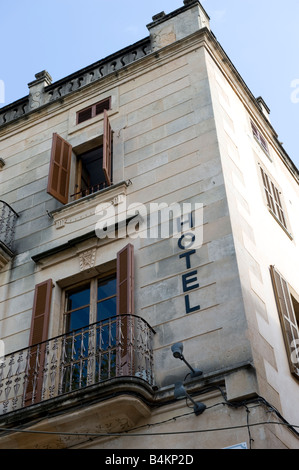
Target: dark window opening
92, 111
91, 176
93, 169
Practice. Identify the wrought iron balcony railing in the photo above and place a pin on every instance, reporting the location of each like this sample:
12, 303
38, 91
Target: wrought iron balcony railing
87, 191
8, 219
117, 347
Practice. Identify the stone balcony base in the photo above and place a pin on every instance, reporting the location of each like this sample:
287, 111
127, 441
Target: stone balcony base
112, 407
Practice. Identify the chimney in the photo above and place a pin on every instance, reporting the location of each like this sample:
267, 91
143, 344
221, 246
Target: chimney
168, 28
264, 108
36, 89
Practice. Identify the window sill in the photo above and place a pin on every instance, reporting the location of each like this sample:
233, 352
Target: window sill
74, 212
280, 224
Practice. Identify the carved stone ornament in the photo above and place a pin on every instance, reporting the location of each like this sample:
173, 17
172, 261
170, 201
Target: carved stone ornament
87, 259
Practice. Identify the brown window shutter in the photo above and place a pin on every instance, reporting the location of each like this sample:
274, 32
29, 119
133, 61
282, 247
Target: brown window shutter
125, 307
255, 130
38, 334
125, 280
84, 115
107, 150
273, 198
268, 190
59, 172
94, 110
287, 317
100, 107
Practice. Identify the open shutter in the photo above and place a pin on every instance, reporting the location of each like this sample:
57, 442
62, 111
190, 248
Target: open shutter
273, 198
60, 165
125, 308
107, 150
125, 280
38, 334
287, 317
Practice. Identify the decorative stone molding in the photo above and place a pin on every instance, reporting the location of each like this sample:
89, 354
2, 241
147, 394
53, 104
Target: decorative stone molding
87, 259
43, 92
84, 209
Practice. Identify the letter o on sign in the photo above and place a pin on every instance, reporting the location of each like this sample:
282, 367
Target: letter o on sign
190, 239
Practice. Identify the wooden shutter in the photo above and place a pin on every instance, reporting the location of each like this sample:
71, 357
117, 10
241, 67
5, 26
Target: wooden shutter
125, 307
59, 172
107, 150
38, 334
125, 280
255, 130
84, 115
273, 198
92, 111
287, 316
102, 105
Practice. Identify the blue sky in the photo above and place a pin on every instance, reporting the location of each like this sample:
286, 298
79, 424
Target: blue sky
261, 37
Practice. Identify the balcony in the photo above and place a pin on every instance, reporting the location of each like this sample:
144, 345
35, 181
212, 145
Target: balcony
8, 219
110, 350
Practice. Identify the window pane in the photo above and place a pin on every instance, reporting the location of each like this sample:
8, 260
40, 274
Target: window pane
106, 288
106, 309
78, 298
78, 319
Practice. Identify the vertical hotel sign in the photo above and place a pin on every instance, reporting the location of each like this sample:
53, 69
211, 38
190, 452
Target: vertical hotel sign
136, 221
190, 227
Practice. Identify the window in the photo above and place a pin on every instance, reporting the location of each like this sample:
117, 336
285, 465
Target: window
96, 344
93, 170
85, 305
90, 303
288, 308
273, 199
92, 111
259, 137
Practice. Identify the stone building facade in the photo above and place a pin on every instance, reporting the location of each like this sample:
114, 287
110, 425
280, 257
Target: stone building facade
147, 205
